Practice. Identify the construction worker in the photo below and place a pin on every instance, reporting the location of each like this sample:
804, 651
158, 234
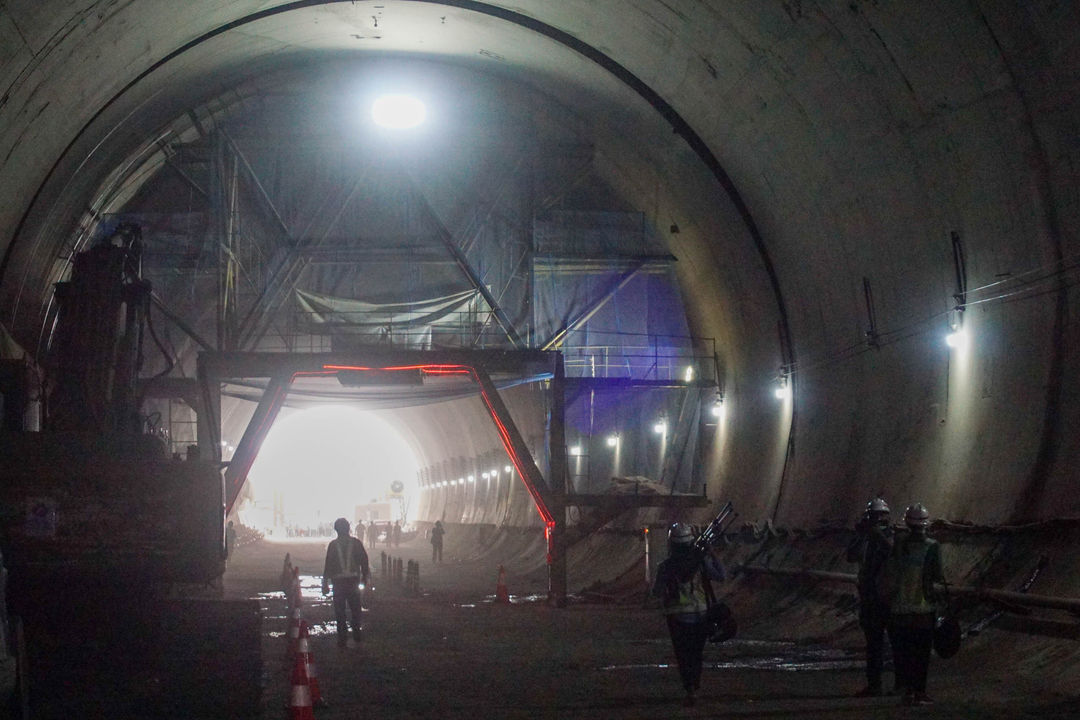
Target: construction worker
871, 548
395, 533
437, 533
346, 567
913, 568
683, 583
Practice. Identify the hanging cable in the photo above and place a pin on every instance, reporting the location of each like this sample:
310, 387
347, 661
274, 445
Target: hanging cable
170, 361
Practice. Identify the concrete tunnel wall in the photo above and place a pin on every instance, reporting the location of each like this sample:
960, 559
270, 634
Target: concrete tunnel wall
859, 135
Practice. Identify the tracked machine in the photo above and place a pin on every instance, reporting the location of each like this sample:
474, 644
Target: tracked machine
114, 548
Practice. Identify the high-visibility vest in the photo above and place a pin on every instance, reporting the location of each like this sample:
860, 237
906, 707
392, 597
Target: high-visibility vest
909, 593
688, 597
345, 555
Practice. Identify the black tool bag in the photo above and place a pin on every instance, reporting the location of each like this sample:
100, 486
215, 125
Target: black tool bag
721, 621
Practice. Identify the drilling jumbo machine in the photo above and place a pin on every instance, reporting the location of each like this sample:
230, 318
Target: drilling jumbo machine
114, 548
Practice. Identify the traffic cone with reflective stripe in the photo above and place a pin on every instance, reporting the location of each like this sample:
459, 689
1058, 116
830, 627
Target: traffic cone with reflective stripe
304, 652
294, 631
300, 696
502, 595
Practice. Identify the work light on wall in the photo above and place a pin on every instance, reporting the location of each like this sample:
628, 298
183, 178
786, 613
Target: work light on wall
783, 387
957, 337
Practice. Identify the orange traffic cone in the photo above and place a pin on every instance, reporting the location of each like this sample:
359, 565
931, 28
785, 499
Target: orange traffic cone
300, 696
502, 595
294, 630
303, 651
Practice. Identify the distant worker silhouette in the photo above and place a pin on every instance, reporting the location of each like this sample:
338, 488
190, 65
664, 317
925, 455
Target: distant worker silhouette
346, 567
395, 533
437, 533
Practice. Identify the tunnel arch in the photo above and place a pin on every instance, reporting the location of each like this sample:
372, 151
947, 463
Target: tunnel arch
927, 134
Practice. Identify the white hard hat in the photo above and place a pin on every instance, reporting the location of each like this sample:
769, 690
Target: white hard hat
877, 505
680, 534
917, 516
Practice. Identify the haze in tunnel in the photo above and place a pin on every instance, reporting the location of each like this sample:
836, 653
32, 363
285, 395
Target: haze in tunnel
320, 463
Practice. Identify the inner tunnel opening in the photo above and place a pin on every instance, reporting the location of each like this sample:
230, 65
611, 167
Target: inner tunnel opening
325, 462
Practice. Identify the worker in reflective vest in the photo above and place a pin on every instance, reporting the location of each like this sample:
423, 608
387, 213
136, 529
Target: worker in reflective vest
346, 567
683, 584
914, 567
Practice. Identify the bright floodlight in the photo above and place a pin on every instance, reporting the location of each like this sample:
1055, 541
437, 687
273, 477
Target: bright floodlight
660, 427
783, 392
689, 373
612, 440
718, 408
575, 450
508, 468
398, 112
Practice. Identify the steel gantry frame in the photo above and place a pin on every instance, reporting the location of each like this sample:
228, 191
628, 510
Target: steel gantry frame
282, 369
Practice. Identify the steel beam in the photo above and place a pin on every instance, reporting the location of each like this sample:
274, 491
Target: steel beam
559, 337
557, 545
516, 448
590, 265
284, 279
228, 365
274, 214
466, 267
261, 420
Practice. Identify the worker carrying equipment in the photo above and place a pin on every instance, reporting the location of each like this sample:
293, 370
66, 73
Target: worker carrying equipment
683, 584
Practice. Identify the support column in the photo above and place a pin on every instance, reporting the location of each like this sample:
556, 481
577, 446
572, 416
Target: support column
557, 463
246, 451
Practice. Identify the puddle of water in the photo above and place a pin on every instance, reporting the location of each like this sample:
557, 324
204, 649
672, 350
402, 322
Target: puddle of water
310, 592
778, 655
765, 663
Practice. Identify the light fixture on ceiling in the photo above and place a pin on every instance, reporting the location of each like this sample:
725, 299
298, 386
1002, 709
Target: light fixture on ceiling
398, 112
718, 406
575, 450
613, 440
660, 428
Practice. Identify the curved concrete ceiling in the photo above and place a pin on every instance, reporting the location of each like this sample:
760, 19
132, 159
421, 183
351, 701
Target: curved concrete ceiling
824, 157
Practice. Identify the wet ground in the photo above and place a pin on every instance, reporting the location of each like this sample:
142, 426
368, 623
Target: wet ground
451, 652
